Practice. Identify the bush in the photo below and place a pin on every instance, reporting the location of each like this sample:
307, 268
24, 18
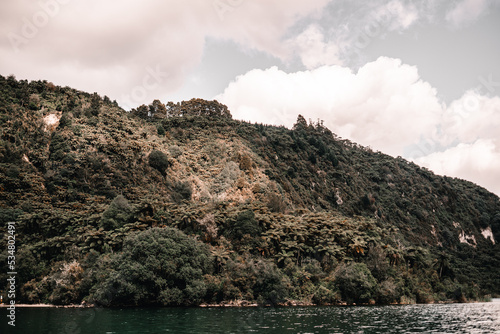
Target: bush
66, 284
58, 147
377, 262
312, 158
182, 191
159, 161
270, 287
159, 266
175, 151
389, 292
330, 156
245, 223
61, 287
355, 283
65, 121
226, 178
324, 296
161, 130
95, 104
245, 162
275, 203
255, 279
117, 214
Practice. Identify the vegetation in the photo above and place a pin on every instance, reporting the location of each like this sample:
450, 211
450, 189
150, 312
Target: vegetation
158, 160
159, 266
179, 204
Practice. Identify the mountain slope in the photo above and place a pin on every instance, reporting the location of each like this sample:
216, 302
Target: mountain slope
255, 212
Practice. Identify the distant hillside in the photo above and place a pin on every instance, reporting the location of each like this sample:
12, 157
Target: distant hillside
179, 204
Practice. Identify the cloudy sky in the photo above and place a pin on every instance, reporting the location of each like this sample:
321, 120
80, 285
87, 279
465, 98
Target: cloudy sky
418, 79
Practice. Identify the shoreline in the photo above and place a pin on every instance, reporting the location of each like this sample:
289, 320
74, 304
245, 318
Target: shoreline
245, 304
46, 306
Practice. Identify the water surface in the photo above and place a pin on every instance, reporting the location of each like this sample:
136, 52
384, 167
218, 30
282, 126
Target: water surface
443, 318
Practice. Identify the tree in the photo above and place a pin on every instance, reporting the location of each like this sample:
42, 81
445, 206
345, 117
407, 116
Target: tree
182, 191
160, 130
300, 124
355, 282
159, 161
173, 109
200, 107
117, 213
255, 278
330, 156
158, 109
159, 266
142, 111
95, 104
71, 103
275, 203
64, 121
245, 224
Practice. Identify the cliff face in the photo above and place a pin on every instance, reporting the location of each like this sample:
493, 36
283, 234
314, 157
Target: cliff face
264, 213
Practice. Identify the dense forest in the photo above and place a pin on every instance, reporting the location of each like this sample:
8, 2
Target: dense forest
178, 204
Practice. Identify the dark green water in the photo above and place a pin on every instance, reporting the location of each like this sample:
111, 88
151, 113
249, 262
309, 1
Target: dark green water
452, 318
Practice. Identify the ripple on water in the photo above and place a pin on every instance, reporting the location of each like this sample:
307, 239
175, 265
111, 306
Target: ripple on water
451, 318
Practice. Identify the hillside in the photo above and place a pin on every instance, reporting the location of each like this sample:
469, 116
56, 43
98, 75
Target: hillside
179, 204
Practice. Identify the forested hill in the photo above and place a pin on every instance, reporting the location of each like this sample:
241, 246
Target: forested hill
179, 204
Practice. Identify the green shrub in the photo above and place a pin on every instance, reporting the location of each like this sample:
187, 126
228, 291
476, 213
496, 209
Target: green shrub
161, 130
389, 292
8, 215
245, 223
377, 262
159, 161
95, 104
117, 214
275, 203
65, 120
159, 266
270, 286
13, 171
182, 191
312, 158
325, 295
58, 147
330, 156
255, 280
355, 283
33, 106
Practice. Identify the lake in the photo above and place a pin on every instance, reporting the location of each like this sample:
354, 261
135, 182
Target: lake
441, 318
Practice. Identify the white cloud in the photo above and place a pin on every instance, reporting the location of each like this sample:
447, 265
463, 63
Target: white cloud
384, 105
478, 162
471, 117
342, 34
469, 128
113, 48
313, 50
466, 11
398, 15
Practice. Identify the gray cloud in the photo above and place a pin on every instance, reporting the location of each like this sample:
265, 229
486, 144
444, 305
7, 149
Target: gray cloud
468, 10
113, 49
136, 51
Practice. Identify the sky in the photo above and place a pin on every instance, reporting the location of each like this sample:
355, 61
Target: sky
417, 79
